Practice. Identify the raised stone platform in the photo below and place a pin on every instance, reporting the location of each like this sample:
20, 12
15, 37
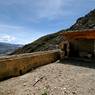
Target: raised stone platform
15, 65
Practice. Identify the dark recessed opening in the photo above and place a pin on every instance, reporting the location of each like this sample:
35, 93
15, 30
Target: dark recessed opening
20, 72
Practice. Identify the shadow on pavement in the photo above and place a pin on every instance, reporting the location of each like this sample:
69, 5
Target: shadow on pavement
88, 63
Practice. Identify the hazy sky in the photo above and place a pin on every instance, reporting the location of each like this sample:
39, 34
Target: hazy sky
23, 21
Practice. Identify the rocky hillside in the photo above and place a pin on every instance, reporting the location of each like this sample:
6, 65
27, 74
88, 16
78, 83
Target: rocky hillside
51, 41
48, 42
86, 22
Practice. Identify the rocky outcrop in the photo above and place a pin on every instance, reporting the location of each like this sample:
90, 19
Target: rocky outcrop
86, 22
19, 64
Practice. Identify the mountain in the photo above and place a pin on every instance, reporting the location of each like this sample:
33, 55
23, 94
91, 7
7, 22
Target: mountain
86, 22
51, 41
48, 42
6, 48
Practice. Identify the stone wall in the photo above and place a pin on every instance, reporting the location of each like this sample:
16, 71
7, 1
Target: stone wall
16, 65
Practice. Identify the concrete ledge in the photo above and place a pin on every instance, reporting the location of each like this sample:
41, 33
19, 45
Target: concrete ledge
15, 65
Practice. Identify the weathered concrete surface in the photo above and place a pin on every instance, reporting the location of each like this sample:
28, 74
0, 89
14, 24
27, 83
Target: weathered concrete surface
79, 34
16, 65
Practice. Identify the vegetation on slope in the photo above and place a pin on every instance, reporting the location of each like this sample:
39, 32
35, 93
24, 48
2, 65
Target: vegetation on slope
86, 22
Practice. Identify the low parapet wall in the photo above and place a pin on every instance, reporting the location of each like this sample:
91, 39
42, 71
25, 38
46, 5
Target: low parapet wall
15, 65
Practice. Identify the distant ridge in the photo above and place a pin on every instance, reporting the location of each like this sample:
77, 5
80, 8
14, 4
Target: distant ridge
51, 41
6, 48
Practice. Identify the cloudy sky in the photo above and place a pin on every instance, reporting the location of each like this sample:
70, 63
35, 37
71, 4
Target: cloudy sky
23, 21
